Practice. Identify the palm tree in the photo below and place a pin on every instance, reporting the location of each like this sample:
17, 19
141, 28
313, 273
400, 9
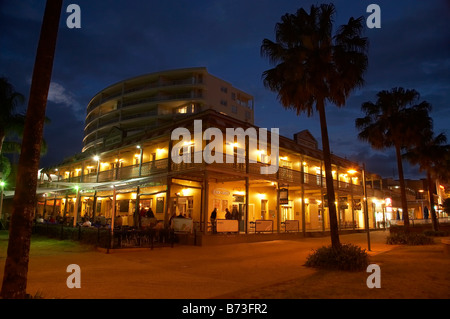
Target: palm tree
16, 264
312, 67
430, 155
10, 121
395, 120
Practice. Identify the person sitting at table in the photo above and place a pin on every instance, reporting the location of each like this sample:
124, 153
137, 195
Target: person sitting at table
86, 223
150, 213
118, 221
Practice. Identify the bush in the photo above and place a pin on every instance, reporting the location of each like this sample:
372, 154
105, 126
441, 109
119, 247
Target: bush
409, 239
348, 257
436, 233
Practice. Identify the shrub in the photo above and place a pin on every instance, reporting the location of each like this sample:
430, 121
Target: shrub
436, 233
348, 257
409, 239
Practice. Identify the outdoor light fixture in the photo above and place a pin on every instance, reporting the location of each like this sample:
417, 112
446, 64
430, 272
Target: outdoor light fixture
2, 185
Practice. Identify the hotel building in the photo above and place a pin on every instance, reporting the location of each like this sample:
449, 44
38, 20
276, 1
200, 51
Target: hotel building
145, 102
126, 164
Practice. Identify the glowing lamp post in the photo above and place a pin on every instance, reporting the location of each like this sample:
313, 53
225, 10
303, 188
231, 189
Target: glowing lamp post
366, 210
2, 185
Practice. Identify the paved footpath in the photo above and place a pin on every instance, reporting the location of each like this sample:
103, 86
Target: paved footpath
182, 272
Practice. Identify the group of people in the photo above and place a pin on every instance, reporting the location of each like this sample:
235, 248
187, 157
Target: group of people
228, 215
146, 212
232, 215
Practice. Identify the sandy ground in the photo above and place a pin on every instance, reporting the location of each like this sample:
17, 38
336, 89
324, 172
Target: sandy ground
262, 270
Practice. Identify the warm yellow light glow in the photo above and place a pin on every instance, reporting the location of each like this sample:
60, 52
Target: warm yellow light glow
96, 158
186, 192
262, 196
352, 171
284, 158
239, 193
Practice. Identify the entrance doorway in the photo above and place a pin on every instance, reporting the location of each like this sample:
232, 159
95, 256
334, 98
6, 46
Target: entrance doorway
287, 212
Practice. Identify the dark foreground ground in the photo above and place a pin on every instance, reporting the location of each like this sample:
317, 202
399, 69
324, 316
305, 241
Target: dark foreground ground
262, 270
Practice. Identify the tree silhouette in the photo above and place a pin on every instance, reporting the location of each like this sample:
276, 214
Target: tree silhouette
430, 154
312, 67
398, 120
16, 264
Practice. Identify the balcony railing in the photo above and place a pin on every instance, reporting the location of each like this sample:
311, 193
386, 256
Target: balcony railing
284, 175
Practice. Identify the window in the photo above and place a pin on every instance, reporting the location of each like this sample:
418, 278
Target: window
182, 110
234, 109
186, 109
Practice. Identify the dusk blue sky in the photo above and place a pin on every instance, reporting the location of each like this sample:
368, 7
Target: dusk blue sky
123, 39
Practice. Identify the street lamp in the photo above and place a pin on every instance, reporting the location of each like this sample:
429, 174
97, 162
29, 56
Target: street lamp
97, 158
366, 210
2, 185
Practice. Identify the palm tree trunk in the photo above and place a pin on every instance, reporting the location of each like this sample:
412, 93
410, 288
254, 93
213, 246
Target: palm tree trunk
334, 229
402, 188
16, 265
431, 199
2, 138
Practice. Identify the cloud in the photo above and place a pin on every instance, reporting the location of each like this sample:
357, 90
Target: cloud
59, 95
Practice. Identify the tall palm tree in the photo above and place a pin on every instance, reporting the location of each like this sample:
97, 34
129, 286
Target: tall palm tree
430, 155
313, 67
16, 264
396, 120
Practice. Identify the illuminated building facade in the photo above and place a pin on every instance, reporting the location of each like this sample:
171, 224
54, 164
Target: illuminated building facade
126, 168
